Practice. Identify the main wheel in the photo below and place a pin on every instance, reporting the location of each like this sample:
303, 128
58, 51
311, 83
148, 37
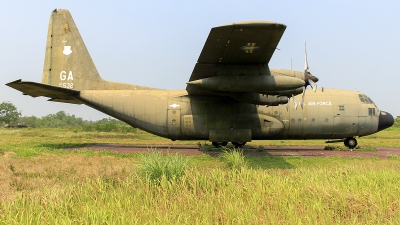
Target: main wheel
219, 144
350, 143
346, 142
238, 144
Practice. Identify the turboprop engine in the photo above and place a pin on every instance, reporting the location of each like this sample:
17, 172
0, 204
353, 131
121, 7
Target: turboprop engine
254, 84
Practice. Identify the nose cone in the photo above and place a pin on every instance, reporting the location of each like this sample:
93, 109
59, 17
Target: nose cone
385, 120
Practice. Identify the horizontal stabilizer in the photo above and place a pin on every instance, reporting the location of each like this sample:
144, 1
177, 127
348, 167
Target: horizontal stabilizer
57, 94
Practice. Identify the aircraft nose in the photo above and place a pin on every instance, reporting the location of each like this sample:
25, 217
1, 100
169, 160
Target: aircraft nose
385, 120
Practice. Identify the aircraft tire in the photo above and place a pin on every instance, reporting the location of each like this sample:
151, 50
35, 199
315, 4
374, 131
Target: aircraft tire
346, 142
219, 144
350, 143
238, 144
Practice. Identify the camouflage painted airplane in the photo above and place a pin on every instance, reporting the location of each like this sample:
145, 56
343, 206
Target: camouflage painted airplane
232, 94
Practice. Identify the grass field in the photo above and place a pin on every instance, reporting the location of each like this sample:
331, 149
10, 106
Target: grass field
40, 184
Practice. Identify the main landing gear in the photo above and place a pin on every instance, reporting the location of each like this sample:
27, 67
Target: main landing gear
350, 142
219, 144
236, 144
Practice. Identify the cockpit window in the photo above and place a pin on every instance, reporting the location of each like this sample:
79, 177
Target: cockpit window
365, 99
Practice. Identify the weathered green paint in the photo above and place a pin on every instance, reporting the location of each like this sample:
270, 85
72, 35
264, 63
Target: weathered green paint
321, 118
232, 95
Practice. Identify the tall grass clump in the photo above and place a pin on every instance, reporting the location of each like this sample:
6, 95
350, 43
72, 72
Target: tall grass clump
156, 166
234, 158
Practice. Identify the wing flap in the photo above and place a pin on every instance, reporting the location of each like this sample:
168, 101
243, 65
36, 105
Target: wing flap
56, 94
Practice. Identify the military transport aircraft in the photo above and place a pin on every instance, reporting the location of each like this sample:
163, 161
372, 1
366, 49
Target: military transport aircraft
232, 94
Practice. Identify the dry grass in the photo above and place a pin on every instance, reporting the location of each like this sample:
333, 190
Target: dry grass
108, 190
42, 185
31, 175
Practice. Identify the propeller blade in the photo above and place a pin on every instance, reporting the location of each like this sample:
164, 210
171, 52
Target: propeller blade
294, 102
308, 78
312, 84
302, 98
305, 58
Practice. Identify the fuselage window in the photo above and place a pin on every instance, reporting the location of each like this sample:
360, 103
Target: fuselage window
341, 107
371, 111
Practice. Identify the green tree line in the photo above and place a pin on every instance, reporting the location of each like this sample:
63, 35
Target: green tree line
10, 115
63, 120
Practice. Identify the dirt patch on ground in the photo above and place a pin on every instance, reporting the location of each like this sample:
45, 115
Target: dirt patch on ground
248, 150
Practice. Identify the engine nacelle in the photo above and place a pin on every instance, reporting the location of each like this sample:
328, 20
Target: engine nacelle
254, 84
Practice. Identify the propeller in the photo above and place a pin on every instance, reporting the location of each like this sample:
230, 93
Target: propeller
308, 77
309, 80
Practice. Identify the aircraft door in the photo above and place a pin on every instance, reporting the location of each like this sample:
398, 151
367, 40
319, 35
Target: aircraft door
174, 122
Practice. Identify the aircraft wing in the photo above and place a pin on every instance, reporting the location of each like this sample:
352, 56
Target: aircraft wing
243, 48
56, 94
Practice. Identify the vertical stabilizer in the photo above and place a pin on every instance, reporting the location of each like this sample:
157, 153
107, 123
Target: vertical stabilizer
67, 61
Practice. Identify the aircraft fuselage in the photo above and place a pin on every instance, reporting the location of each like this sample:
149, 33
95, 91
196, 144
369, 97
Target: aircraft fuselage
326, 114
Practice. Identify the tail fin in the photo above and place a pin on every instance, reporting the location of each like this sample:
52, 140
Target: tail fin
67, 61
68, 67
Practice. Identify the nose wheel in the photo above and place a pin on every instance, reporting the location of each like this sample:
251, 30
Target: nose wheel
350, 142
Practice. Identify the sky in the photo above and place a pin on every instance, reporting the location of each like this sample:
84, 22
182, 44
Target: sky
351, 45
